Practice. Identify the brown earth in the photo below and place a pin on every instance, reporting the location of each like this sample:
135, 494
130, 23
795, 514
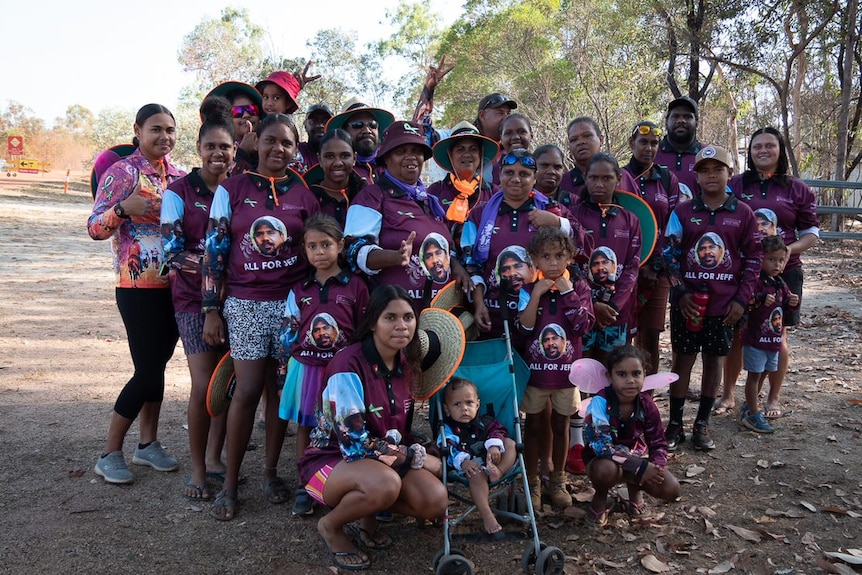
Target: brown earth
757, 504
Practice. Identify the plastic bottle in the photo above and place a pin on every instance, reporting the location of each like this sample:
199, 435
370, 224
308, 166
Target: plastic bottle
700, 297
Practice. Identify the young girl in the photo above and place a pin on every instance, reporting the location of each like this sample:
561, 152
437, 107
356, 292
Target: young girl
253, 254
625, 439
320, 315
554, 313
185, 215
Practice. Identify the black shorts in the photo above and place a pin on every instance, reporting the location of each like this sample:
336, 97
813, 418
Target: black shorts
713, 339
793, 279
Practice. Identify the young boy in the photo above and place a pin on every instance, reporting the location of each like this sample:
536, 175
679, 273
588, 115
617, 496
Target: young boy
712, 248
554, 313
761, 341
478, 446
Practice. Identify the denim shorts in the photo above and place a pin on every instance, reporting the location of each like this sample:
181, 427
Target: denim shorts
759, 360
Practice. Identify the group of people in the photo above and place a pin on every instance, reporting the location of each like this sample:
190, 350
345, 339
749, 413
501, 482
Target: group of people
313, 262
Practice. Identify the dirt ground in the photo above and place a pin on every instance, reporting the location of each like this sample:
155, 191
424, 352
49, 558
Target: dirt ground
757, 504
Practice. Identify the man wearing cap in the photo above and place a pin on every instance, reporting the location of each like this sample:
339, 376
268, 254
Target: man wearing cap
728, 281
364, 124
316, 118
680, 145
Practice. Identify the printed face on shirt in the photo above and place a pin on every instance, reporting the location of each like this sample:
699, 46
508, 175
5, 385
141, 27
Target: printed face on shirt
324, 332
766, 222
775, 320
435, 257
603, 266
709, 251
516, 267
365, 138
553, 344
157, 136
268, 235
462, 404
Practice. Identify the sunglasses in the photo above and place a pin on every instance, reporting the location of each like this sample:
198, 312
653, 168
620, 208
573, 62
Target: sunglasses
495, 101
359, 124
511, 159
643, 130
250, 109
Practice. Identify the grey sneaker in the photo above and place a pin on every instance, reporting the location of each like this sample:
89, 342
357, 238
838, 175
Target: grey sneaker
156, 457
113, 468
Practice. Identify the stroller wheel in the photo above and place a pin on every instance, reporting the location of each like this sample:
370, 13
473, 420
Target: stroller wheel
551, 561
454, 565
528, 559
438, 556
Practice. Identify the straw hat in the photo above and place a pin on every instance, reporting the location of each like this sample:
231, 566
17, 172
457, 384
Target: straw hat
104, 160
451, 298
441, 344
222, 384
463, 130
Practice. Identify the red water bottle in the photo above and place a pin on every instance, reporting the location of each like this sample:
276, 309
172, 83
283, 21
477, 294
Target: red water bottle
700, 297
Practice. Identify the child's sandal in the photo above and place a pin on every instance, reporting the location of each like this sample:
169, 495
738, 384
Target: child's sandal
596, 519
638, 509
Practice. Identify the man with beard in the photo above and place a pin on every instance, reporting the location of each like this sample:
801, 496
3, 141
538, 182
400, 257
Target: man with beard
316, 118
553, 341
268, 235
435, 257
516, 268
364, 124
680, 145
324, 331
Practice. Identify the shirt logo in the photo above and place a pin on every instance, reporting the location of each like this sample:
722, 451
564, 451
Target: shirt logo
696, 221
412, 129
201, 206
408, 214
251, 202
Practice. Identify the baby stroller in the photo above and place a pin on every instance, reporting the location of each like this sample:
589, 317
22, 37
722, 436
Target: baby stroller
501, 378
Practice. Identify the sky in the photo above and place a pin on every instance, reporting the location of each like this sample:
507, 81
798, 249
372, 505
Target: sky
109, 54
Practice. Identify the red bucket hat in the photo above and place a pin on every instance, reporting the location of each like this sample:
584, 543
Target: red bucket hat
287, 82
403, 132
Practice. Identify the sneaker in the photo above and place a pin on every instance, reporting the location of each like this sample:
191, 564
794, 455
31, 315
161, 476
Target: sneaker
303, 504
113, 468
156, 457
743, 412
700, 437
559, 495
535, 484
757, 422
674, 435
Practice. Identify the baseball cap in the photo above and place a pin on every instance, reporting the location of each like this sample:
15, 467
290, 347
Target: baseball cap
684, 101
321, 107
716, 153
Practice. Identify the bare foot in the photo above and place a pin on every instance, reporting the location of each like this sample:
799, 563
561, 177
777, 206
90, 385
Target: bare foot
491, 524
494, 473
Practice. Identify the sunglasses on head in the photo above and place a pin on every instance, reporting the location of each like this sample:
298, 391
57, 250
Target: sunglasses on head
511, 159
359, 124
644, 129
495, 101
250, 109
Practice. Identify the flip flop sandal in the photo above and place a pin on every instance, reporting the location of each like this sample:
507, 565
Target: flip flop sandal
338, 558
275, 490
226, 502
218, 477
636, 509
596, 519
374, 541
199, 491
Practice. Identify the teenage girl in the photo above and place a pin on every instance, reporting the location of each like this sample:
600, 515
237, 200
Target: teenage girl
339, 184
320, 316
185, 215
253, 251
625, 439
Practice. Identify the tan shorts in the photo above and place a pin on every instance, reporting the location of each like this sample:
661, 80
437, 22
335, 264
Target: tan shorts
564, 401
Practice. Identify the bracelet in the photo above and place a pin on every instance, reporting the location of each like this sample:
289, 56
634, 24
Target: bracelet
208, 308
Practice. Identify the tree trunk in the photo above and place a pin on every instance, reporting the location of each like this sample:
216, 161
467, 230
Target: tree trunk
852, 35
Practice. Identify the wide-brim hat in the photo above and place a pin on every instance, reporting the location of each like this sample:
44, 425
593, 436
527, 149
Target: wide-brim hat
462, 130
287, 82
221, 386
104, 160
232, 86
441, 344
649, 225
401, 133
452, 299
383, 117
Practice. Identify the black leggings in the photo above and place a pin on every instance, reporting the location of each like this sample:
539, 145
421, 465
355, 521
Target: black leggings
148, 315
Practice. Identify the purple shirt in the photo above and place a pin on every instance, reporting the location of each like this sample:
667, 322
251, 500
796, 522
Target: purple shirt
791, 200
306, 156
136, 242
680, 163
766, 322
185, 217
555, 341
651, 189
254, 236
618, 232
325, 316
717, 249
